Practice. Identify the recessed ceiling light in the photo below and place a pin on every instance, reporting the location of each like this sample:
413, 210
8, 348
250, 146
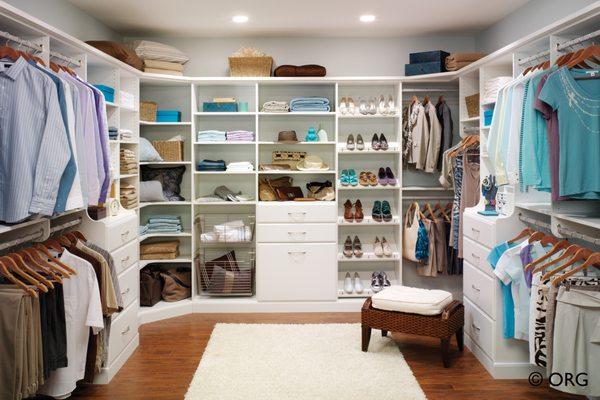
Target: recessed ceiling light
240, 19
367, 18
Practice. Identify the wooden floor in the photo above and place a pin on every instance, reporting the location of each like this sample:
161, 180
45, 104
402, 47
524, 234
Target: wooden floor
170, 350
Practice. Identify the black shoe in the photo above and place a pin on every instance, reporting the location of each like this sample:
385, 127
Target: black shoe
375, 143
383, 142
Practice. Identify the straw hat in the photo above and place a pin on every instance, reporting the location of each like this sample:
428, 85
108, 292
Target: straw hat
312, 163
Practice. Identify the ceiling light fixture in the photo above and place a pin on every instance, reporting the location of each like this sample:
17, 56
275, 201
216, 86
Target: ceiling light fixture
240, 19
367, 18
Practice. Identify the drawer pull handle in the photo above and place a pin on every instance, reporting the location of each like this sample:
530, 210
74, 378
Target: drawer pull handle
475, 288
476, 258
296, 252
124, 260
126, 330
476, 327
296, 233
298, 213
476, 232
125, 235
125, 292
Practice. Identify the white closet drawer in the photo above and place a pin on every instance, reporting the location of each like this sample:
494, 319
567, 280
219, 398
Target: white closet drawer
129, 283
296, 233
476, 255
122, 330
479, 230
296, 272
126, 256
479, 288
294, 212
122, 232
479, 327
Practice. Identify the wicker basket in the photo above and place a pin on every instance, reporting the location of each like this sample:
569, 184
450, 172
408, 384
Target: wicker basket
472, 103
169, 150
250, 66
148, 111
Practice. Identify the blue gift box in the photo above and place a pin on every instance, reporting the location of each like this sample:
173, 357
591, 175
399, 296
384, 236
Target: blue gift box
107, 91
428, 56
423, 68
487, 116
219, 107
168, 116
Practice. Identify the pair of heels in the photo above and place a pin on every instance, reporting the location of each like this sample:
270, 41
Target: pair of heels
386, 177
386, 107
359, 145
379, 142
348, 177
353, 284
382, 247
379, 281
382, 211
353, 247
357, 215
346, 106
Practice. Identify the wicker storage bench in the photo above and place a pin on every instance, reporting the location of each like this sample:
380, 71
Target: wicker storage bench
443, 326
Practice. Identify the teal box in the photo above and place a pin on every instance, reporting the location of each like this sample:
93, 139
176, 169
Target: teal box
168, 116
219, 107
107, 91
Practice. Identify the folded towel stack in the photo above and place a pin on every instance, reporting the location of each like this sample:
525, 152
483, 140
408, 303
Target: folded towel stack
125, 134
492, 87
240, 136
309, 104
128, 162
162, 224
211, 165
211, 136
159, 58
456, 61
128, 196
228, 232
163, 67
276, 107
241, 166
161, 250
113, 133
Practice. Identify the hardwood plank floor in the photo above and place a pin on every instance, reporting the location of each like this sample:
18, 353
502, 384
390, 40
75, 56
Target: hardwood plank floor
170, 350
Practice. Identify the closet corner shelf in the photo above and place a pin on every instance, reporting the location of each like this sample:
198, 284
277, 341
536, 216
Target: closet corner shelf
224, 203
165, 162
154, 235
368, 257
165, 203
327, 172
369, 221
224, 172
471, 119
426, 189
299, 113
179, 260
360, 187
296, 144
360, 116
343, 151
149, 123
223, 143
225, 114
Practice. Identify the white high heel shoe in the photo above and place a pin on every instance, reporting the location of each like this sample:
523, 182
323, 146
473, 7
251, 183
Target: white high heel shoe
391, 105
343, 107
358, 286
362, 107
381, 105
377, 248
348, 287
350, 106
386, 248
372, 108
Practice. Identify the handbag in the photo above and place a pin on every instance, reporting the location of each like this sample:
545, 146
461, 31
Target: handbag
410, 232
289, 193
321, 191
150, 287
177, 284
267, 187
291, 158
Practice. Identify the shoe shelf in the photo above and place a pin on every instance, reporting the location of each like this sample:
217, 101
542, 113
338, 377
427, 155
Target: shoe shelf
152, 123
369, 221
368, 257
367, 292
361, 116
224, 172
367, 151
298, 113
297, 144
361, 187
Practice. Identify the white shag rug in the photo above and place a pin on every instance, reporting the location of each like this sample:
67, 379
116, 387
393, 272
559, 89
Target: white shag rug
301, 362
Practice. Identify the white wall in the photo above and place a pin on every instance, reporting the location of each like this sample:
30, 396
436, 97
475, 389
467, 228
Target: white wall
67, 18
532, 16
341, 56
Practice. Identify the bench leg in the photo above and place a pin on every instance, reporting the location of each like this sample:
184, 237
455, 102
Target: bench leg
446, 352
460, 339
366, 337
384, 333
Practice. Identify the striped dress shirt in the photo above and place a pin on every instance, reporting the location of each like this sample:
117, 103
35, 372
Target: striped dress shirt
34, 147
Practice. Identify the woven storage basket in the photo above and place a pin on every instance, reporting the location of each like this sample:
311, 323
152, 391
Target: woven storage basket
148, 111
169, 150
472, 103
250, 66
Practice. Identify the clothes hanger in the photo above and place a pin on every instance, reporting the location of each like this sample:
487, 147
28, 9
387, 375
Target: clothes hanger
565, 256
584, 54
524, 233
580, 255
557, 247
53, 244
6, 273
14, 268
18, 260
37, 265
536, 236
45, 251
79, 235
55, 272
548, 239
592, 259
41, 258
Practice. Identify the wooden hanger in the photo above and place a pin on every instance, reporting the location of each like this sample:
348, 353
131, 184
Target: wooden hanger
590, 52
564, 257
536, 236
557, 247
45, 251
428, 211
9, 52
6, 273
548, 239
580, 255
42, 259
53, 244
438, 208
79, 235
592, 259
30, 271
53, 271
12, 266
524, 233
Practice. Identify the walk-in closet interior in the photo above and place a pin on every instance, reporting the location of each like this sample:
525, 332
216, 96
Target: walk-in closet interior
224, 201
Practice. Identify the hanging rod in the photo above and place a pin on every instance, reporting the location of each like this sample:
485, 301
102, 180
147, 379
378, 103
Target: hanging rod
27, 43
576, 235
66, 225
37, 235
535, 222
68, 60
537, 56
578, 40
410, 90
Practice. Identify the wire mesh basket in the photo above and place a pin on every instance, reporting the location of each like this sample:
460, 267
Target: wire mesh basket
225, 272
225, 228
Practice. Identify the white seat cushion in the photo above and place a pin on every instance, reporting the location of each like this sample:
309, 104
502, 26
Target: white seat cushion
411, 300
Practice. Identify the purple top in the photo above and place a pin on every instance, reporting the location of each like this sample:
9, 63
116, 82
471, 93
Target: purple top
525, 256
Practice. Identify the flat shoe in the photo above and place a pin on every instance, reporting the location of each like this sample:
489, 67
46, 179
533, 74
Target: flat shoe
382, 177
386, 211
357, 247
390, 176
360, 144
350, 142
376, 212
377, 249
352, 178
372, 178
348, 247
348, 283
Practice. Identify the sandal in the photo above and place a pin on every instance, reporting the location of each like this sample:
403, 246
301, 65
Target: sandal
386, 211
372, 178
357, 247
358, 213
352, 178
363, 178
344, 179
376, 212
348, 247
348, 215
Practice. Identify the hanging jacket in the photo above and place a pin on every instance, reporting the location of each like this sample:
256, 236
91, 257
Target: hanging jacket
434, 135
419, 136
445, 118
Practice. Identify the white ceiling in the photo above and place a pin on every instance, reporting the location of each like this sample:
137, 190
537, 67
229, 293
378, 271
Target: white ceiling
276, 18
